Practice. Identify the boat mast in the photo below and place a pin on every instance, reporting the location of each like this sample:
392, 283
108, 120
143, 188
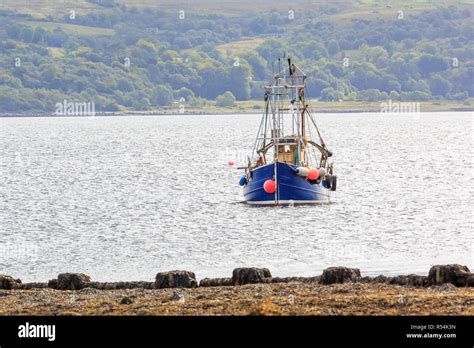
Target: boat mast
276, 123
285, 97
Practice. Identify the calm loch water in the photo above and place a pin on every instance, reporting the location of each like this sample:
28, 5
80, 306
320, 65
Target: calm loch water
121, 198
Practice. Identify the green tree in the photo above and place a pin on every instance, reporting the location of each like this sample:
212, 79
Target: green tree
414, 96
238, 81
313, 49
125, 85
39, 35
439, 86
14, 31
430, 64
226, 100
162, 96
185, 93
371, 94
330, 94
257, 63
26, 34
333, 47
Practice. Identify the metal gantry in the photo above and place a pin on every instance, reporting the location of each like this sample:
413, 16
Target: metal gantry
287, 121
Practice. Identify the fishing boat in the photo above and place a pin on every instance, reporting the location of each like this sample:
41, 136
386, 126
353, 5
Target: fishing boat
290, 162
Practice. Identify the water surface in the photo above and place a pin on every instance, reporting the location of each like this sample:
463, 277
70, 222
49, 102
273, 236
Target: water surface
121, 198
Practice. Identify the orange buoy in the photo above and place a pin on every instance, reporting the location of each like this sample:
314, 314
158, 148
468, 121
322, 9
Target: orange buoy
230, 163
313, 174
269, 186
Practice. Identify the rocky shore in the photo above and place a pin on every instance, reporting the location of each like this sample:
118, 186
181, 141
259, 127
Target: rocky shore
446, 290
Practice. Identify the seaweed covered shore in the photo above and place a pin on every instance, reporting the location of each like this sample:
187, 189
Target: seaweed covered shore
253, 299
446, 290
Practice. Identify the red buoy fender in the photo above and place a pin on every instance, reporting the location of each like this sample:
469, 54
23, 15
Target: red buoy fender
269, 186
313, 174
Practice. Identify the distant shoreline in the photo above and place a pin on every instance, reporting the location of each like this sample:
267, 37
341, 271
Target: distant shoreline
138, 113
249, 108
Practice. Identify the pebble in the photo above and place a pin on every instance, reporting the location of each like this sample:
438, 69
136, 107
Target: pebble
177, 296
126, 300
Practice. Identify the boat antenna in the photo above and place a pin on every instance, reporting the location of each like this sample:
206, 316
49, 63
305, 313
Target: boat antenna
289, 66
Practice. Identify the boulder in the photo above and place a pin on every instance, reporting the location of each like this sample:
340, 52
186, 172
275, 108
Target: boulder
133, 285
335, 275
104, 286
470, 280
28, 286
305, 280
175, 279
252, 275
375, 280
122, 285
9, 283
72, 281
455, 274
177, 296
443, 288
53, 284
216, 282
411, 280
126, 300
89, 290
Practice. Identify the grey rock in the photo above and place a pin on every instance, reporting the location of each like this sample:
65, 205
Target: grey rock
177, 296
175, 279
28, 286
252, 275
455, 274
410, 280
378, 279
126, 300
337, 275
105, 285
9, 283
216, 282
444, 287
122, 285
53, 284
72, 281
305, 280
89, 290
470, 280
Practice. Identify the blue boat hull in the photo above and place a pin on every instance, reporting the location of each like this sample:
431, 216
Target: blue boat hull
291, 188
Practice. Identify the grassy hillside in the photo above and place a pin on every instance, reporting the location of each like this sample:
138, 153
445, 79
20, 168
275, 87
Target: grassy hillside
344, 8
70, 29
142, 55
42, 9
236, 47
